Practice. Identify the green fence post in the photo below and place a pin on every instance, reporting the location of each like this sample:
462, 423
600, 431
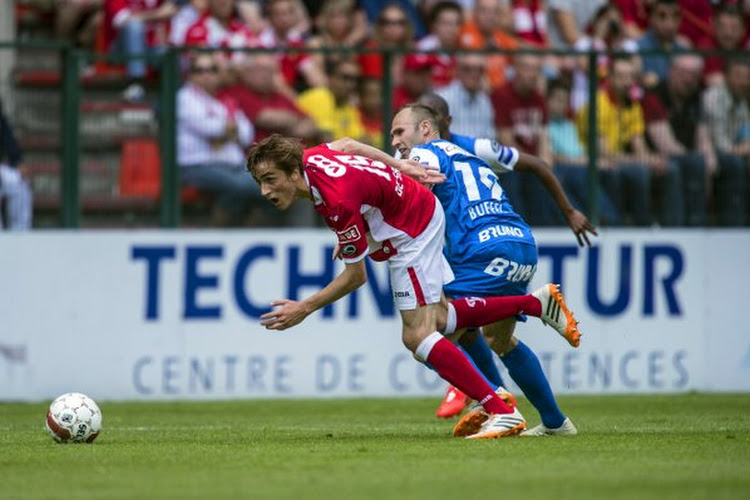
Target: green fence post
70, 142
387, 98
593, 141
170, 188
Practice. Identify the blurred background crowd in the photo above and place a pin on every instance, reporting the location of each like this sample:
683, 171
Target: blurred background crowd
671, 85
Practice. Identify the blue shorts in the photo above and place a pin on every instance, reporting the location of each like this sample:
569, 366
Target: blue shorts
507, 272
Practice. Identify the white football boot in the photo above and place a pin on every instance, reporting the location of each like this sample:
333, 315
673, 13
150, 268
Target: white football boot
499, 425
566, 429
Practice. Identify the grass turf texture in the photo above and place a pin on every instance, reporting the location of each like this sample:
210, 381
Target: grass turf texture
687, 446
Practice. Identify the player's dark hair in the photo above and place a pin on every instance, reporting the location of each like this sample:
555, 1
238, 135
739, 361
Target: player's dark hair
284, 153
441, 7
439, 106
422, 112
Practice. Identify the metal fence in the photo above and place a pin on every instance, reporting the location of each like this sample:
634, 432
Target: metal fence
98, 161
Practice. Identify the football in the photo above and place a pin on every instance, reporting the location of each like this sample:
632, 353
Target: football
74, 418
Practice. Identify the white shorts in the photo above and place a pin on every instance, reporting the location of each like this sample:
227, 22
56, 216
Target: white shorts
419, 269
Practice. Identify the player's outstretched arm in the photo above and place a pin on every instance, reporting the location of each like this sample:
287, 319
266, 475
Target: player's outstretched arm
413, 169
291, 312
577, 221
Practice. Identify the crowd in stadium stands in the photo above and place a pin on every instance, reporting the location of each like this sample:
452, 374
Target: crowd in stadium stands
673, 127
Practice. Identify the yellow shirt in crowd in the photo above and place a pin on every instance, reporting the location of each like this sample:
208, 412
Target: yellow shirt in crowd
344, 121
618, 125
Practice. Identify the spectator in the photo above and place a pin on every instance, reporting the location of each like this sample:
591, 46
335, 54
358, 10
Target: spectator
332, 108
726, 108
445, 23
268, 109
300, 71
221, 27
188, 14
623, 158
371, 110
392, 31
530, 21
568, 20
251, 12
676, 129
729, 32
520, 118
211, 137
16, 201
693, 27
472, 109
340, 25
136, 27
604, 34
663, 23
569, 157
374, 8
482, 31
417, 80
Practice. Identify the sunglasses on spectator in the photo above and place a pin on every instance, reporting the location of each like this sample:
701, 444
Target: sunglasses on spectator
392, 22
204, 69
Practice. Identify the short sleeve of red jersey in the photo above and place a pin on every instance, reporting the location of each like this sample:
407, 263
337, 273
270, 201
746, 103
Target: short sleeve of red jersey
349, 226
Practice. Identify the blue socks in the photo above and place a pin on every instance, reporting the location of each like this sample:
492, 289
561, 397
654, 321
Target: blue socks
482, 357
526, 371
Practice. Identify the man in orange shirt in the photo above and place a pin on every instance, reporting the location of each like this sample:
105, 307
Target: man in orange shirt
480, 32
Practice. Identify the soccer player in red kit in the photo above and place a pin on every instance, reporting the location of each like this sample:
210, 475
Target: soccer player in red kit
375, 209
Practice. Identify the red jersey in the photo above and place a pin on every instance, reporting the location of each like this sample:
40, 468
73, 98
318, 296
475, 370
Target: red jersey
530, 21
116, 13
210, 32
252, 104
362, 199
526, 115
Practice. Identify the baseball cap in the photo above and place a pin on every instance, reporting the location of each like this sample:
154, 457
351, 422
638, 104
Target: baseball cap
417, 62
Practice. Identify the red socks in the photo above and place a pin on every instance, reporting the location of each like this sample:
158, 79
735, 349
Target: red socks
452, 365
476, 312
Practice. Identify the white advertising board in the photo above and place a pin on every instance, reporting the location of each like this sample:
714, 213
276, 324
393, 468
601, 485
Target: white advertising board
174, 315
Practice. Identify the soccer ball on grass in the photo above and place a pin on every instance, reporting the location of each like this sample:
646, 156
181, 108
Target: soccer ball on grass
74, 418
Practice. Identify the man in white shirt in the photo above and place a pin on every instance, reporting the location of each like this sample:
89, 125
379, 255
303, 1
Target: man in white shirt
211, 137
473, 114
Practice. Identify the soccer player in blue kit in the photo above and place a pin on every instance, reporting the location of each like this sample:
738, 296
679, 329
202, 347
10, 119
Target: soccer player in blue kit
491, 251
503, 159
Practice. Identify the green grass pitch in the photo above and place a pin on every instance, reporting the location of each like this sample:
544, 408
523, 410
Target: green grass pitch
629, 447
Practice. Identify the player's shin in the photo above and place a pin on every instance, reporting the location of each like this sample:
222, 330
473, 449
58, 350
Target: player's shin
475, 312
526, 371
452, 365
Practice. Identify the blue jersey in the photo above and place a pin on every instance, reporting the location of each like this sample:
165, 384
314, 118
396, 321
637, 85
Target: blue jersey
479, 218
